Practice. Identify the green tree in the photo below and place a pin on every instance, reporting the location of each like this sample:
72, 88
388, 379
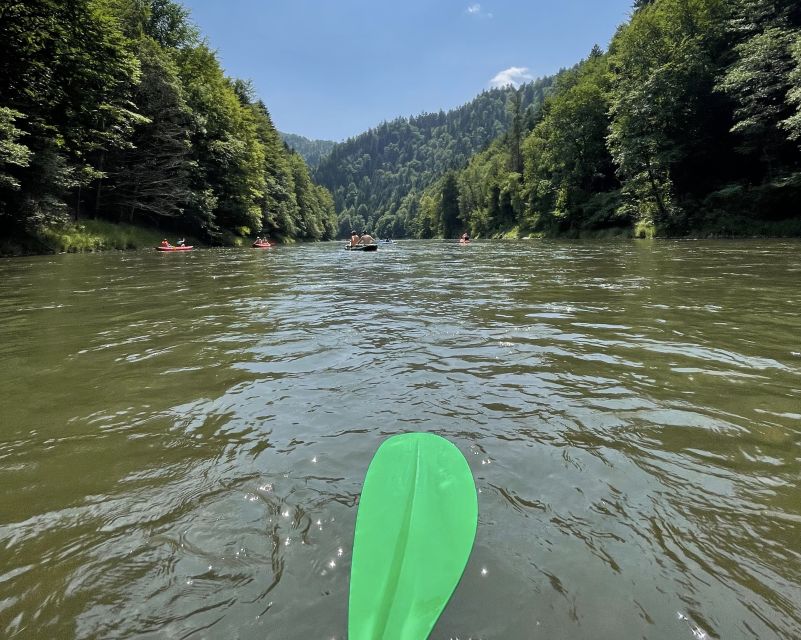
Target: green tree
168, 24
310, 216
279, 203
760, 78
150, 177
567, 160
67, 70
793, 123
663, 66
449, 206
12, 152
228, 157
427, 221
515, 107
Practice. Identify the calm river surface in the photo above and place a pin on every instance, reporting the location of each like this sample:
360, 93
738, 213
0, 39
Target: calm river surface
183, 438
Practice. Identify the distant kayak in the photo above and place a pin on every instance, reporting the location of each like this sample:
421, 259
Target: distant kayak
185, 247
362, 247
464, 241
261, 245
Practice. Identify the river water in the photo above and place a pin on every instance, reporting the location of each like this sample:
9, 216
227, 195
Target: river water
183, 437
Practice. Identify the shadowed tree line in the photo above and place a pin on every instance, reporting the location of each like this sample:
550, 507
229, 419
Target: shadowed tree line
119, 109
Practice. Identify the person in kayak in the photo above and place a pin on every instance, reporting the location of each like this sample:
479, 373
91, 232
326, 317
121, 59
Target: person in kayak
164, 243
354, 238
182, 242
465, 237
366, 238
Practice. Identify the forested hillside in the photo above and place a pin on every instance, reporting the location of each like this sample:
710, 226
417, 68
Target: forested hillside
119, 109
689, 125
377, 177
312, 151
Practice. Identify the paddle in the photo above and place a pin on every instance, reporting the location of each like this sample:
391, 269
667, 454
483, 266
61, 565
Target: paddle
414, 531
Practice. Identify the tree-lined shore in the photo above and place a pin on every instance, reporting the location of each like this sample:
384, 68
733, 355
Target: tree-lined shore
690, 124
120, 110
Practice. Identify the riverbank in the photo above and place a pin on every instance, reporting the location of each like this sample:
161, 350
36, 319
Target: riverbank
90, 236
85, 236
726, 226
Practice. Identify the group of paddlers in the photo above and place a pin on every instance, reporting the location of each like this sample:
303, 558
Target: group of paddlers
363, 238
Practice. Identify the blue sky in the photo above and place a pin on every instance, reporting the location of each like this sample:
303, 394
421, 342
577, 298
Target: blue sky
330, 69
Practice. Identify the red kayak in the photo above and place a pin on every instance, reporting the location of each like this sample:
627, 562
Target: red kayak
185, 247
261, 245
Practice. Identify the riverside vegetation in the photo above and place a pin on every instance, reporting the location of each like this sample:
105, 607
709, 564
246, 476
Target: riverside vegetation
119, 110
689, 124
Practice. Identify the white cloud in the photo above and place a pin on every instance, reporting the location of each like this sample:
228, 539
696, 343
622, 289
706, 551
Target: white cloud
514, 76
476, 10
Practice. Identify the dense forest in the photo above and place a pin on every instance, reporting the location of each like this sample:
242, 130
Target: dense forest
690, 124
118, 109
377, 178
312, 151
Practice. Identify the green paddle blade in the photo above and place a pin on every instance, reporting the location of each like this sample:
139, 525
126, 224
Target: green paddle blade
414, 531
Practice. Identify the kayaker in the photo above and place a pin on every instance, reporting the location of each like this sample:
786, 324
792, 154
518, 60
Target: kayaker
465, 237
181, 242
164, 243
366, 238
354, 238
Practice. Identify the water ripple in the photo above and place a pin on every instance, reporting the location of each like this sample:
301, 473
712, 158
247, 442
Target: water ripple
183, 442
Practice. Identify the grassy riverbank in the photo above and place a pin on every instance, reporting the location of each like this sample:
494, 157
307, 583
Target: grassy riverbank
719, 226
99, 235
86, 236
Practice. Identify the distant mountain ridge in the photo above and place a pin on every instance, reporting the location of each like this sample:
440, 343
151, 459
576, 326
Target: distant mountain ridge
377, 177
312, 151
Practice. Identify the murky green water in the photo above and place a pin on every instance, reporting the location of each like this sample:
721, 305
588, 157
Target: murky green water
183, 437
